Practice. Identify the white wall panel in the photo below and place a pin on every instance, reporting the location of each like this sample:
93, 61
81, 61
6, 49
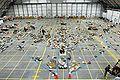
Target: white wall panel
112, 15
115, 17
53, 10
64, 9
84, 9
104, 14
49, 10
34, 10
69, 9
25, 10
89, 10
16, 10
79, 10
29, 10
74, 9
109, 14
44, 9
98, 10
39, 10
20, 10
60, 10
93, 10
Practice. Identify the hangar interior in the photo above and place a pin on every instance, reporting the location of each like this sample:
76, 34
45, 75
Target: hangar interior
59, 39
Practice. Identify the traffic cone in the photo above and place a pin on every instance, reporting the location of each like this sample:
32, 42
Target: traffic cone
69, 76
74, 68
56, 77
89, 61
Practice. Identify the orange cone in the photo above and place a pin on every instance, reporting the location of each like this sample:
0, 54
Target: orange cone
56, 77
69, 76
89, 61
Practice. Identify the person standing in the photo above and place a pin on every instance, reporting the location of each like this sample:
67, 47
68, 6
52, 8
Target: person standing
107, 69
43, 31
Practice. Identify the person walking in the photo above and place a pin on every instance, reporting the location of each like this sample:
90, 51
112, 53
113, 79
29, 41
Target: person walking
107, 69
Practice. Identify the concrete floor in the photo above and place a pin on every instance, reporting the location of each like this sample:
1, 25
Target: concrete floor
18, 65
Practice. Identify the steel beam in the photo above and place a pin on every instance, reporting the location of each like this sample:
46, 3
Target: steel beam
61, 3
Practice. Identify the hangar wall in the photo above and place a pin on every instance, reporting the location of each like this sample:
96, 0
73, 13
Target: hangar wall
51, 10
112, 15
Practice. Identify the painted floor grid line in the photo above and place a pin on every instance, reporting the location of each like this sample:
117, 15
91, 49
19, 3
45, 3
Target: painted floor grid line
59, 48
27, 67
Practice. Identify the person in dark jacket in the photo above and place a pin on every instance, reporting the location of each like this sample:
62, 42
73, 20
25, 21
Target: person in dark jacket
43, 31
116, 69
62, 51
107, 69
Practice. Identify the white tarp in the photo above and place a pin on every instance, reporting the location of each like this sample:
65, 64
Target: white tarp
1, 21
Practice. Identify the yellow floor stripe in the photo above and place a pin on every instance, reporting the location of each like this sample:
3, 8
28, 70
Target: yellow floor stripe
95, 59
39, 65
27, 66
114, 57
35, 76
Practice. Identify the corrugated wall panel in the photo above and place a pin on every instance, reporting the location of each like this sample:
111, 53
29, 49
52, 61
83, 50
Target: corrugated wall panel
69, 9
50, 10
39, 10
112, 15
